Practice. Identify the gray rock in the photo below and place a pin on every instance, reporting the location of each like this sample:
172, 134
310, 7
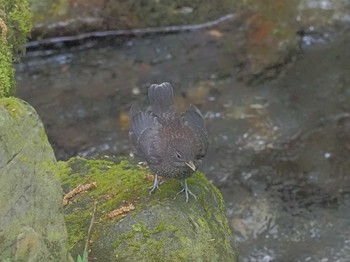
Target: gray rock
32, 227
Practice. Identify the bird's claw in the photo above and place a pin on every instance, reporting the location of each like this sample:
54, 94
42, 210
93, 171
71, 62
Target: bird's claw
155, 185
186, 190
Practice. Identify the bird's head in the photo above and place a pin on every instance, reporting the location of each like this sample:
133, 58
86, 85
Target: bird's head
182, 156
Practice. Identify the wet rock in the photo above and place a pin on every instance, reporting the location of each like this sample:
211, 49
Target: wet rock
32, 226
135, 226
273, 33
267, 39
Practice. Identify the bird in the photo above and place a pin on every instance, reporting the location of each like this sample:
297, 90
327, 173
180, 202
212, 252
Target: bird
172, 144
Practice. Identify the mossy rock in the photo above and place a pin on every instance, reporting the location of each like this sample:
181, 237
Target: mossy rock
32, 226
153, 227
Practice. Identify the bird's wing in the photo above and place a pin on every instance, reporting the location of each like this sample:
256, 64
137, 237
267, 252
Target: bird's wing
143, 132
161, 99
194, 120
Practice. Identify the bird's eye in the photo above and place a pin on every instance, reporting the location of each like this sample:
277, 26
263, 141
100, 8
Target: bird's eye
178, 155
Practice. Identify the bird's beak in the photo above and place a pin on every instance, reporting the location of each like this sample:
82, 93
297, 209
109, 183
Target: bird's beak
191, 165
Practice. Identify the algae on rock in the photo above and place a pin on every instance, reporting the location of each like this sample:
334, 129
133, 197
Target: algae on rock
32, 226
158, 228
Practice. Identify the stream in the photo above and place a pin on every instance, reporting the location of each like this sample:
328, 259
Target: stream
279, 149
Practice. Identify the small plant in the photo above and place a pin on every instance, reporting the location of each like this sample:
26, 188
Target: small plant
81, 259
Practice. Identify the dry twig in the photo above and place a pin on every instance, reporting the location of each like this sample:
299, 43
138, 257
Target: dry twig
87, 243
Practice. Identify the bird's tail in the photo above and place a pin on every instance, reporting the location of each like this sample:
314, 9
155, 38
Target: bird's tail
161, 99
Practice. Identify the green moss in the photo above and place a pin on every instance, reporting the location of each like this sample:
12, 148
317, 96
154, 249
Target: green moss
116, 183
14, 106
19, 110
173, 228
143, 232
16, 24
6, 70
205, 230
140, 228
18, 19
141, 236
77, 226
203, 223
61, 170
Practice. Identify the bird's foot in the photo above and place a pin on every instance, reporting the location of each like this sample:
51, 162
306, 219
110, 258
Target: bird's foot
186, 190
155, 185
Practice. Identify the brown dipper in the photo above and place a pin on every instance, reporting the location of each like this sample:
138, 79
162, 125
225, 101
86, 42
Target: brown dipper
172, 145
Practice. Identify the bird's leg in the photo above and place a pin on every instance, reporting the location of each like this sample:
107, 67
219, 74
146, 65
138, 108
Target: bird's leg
155, 184
186, 190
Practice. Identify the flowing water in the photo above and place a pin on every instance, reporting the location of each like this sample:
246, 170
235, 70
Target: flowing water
279, 150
